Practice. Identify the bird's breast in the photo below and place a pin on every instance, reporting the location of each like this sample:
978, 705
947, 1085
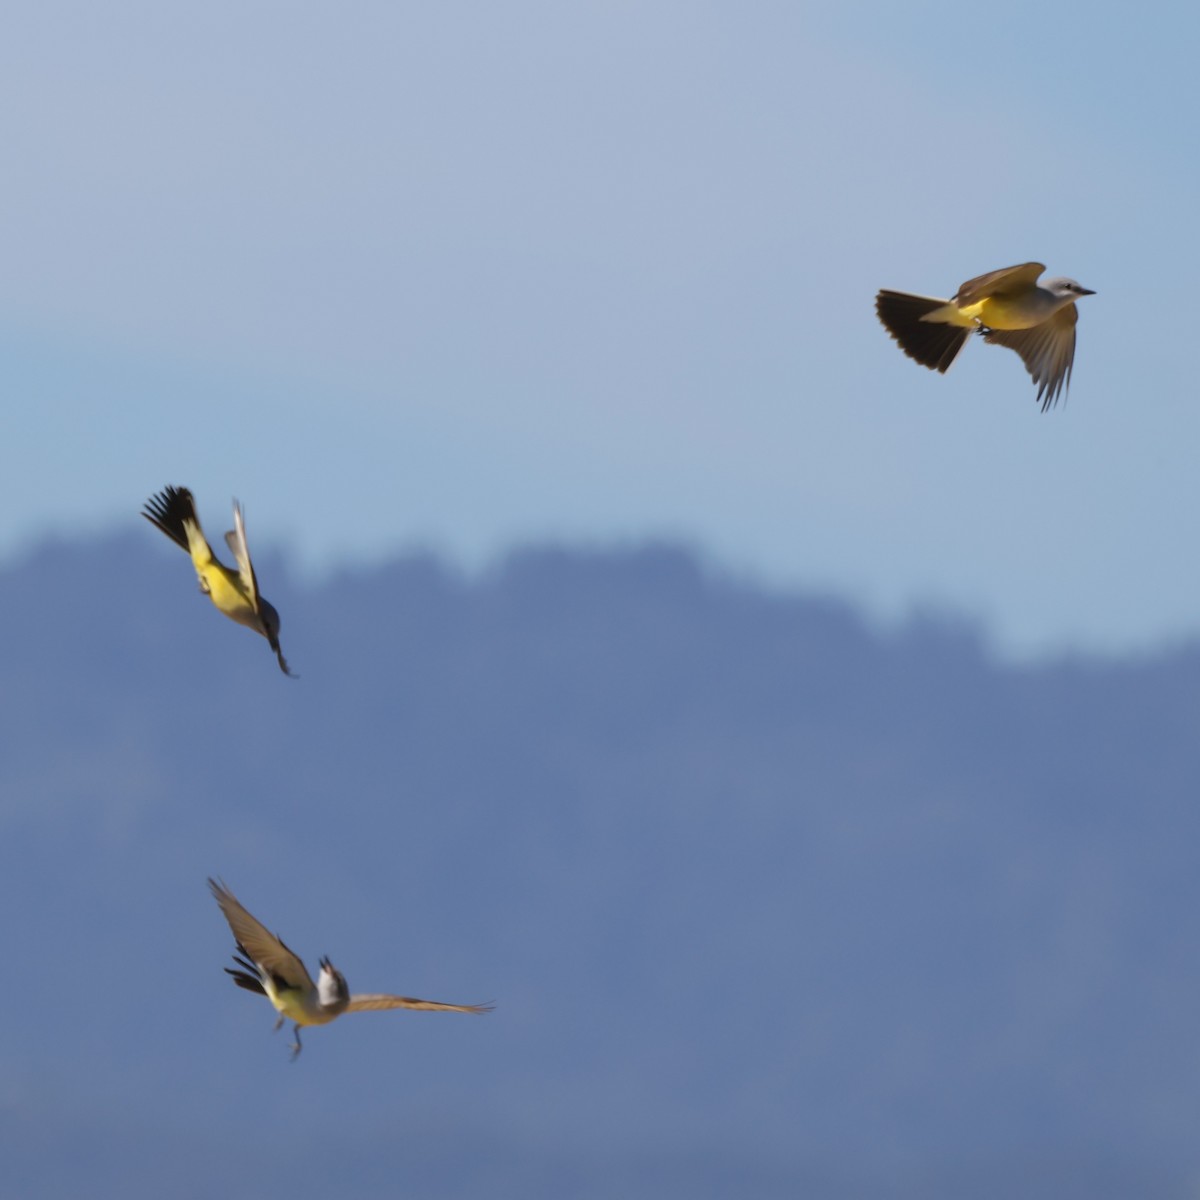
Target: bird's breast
227, 594
1004, 312
298, 1006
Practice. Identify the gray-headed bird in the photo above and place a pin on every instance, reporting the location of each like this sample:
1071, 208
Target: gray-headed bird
1008, 307
235, 593
268, 967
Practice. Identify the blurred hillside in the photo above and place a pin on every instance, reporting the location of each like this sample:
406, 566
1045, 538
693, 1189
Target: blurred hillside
770, 903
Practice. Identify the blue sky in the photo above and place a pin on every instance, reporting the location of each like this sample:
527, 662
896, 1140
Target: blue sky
470, 275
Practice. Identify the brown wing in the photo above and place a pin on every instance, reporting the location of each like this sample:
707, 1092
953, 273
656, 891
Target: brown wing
1006, 279
1047, 350
371, 1003
262, 946
235, 539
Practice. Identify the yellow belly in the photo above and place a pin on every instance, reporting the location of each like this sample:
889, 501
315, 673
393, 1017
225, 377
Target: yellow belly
999, 312
291, 1005
225, 591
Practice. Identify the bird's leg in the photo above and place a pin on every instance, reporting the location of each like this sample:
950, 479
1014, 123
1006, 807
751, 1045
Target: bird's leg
296, 1047
279, 1022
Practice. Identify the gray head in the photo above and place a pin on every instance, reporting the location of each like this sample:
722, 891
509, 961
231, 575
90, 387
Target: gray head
270, 622
1065, 289
332, 992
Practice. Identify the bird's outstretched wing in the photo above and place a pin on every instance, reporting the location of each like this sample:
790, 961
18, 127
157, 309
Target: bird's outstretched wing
375, 1003
263, 948
996, 283
1047, 350
235, 539
268, 618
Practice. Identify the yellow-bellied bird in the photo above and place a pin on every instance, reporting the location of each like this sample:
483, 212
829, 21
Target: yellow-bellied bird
1008, 307
235, 593
269, 968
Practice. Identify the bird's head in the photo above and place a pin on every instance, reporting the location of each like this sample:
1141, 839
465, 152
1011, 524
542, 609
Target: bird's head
332, 991
1066, 289
270, 622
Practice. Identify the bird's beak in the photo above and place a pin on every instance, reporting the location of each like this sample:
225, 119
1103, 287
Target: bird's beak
1086, 292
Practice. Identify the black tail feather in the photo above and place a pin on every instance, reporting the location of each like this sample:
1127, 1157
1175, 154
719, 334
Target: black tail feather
247, 977
931, 343
250, 982
168, 511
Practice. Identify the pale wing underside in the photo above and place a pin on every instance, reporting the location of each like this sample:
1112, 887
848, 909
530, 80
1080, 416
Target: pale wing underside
235, 539
1048, 351
371, 1003
263, 947
994, 283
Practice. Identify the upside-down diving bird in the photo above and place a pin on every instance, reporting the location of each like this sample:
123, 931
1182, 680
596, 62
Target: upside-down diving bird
1008, 307
269, 968
235, 593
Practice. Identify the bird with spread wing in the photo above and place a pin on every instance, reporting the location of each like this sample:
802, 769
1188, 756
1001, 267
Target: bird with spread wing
1007, 307
269, 968
235, 593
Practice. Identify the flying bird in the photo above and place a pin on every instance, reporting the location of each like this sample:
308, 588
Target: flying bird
235, 593
268, 967
1008, 307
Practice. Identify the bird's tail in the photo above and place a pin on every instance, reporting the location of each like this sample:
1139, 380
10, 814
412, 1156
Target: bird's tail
173, 510
931, 343
247, 978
